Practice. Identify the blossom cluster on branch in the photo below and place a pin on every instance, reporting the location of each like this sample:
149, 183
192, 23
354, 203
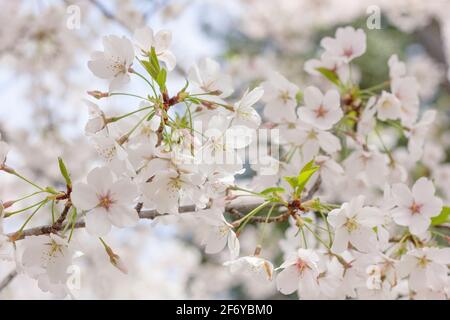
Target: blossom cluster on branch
315, 151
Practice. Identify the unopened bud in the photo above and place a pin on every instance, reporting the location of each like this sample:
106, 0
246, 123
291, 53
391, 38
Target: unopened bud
98, 94
115, 259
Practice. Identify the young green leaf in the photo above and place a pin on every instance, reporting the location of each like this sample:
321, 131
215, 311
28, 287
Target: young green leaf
293, 181
303, 178
330, 75
64, 172
161, 79
152, 71
443, 217
272, 190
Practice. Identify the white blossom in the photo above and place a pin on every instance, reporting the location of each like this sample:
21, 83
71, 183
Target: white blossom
321, 111
145, 39
109, 201
353, 224
244, 112
258, 267
347, 44
300, 272
415, 207
426, 268
280, 98
114, 62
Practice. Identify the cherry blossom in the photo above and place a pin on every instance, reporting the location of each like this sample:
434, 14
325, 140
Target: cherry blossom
146, 39
330, 62
300, 272
244, 112
280, 98
219, 233
114, 62
397, 68
417, 206
353, 224
311, 139
426, 268
255, 266
97, 119
326, 190
388, 107
418, 132
406, 91
322, 111
207, 77
369, 163
347, 44
47, 259
108, 201
171, 185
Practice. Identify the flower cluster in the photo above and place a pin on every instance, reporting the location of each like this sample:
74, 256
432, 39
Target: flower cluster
364, 226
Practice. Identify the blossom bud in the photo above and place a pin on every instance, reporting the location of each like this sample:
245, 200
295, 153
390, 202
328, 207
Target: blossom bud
98, 94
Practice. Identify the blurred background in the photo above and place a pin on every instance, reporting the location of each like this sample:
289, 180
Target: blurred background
44, 49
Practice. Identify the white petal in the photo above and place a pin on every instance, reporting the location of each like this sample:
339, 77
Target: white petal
83, 196
169, 59
233, 245
332, 100
423, 190
402, 216
328, 142
122, 216
363, 239
419, 224
401, 194
163, 39
100, 179
123, 191
312, 97
287, 280
336, 218
216, 241
340, 242
97, 222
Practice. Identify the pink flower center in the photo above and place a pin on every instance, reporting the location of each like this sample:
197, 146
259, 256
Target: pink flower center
415, 208
321, 112
348, 52
105, 201
301, 265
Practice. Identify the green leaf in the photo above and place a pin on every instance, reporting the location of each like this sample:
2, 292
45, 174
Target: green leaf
161, 79
64, 172
293, 181
150, 69
307, 166
330, 75
303, 178
272, 190
443, 217
154, 60
305, 174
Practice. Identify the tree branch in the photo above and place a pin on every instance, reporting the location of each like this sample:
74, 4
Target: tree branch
6, 281
143, 214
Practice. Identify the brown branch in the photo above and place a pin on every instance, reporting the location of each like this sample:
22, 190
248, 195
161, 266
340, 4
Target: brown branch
143, 214
7, 280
